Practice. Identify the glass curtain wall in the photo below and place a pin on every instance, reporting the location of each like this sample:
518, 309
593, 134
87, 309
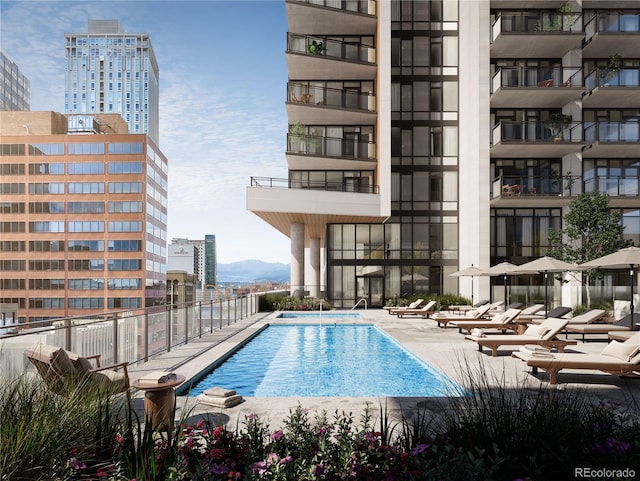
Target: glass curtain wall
417, 249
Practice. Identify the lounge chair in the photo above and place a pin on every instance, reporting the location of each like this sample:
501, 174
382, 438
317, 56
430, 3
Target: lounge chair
534, 309
541, 335
424, 311
65, 372
556, 312
587, 317
473, 315
618, 358
601, 328
414, 305
468, 308
502, 322
500, 310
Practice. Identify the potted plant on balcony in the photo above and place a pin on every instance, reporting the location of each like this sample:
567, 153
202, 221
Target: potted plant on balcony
556, 123
297, 137
613, 65
315, 47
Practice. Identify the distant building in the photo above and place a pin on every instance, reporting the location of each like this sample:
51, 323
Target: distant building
196, 257
83, 219
181, 288
15, 93
111, 71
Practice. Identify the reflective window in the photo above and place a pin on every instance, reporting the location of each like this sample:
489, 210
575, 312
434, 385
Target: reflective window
86, 284
11, 149
11, 226
126, 245
125, 206
11, 188
46, 284
86, 246
86, 187
86, 226
125, 187
85, 168
124, 264
46, 207
86, 264
125, 148
46, 246
124, 302
12, 246
86, 303
44, 168
46, 149
125, 167
46, 226
85, 207
11, 169
125, 226
46, 188
86, 149
46, 265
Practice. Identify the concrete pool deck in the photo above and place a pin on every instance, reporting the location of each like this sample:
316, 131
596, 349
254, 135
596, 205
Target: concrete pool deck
445, 349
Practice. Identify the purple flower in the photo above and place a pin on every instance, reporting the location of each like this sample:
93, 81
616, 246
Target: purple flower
218, 469
260, 467
271, 458
286, 459
276, 435
318, 470
321, 431
421, 448
370, 437
75, 464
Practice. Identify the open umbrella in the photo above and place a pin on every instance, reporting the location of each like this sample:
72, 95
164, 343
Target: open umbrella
471, 271
545, 265
503, 269
626, 257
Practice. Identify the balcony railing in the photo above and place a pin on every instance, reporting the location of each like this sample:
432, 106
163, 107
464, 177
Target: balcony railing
537, 22
330, 147
127, 336
330, 48
327, 97
347, 185
506, 131
359, 6
602, 77
612, 131
517, 186
614, 186
613, 22
536, 77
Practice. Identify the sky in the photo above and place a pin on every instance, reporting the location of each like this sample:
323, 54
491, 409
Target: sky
222, 101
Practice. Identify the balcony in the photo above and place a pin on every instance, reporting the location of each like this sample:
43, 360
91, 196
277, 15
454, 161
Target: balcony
329, 153
622, 191
535, 34
533, 87
281, 202
535, 139
327, 58
607, 89
330, 16
317, 105
611, 32
526, 191
612, 139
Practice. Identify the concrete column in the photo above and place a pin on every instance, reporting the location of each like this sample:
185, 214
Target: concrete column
297, 260
314, 265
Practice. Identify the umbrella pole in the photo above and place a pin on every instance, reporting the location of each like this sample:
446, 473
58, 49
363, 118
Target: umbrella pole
506, 301
633, 324
546, 286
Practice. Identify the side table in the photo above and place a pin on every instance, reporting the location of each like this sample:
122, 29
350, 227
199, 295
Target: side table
160, 402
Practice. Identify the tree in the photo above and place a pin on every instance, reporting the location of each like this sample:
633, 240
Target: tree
591, 230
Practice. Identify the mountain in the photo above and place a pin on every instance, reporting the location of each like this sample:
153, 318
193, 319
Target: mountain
253, 271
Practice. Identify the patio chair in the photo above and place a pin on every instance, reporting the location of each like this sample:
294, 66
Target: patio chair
424, 311
502, 322
65, 372
414, 305
472, 315
587, 317
480, 303
541, 335
617, 358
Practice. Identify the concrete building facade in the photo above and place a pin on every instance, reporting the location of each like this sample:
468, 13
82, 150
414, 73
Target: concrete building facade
429, 136
84, 216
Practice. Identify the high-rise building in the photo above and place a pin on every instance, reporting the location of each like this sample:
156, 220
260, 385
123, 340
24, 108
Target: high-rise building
196, 257
15, 91
111, 71
429, 136
83, 210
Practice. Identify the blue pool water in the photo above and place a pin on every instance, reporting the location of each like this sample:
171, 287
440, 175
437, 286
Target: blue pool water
328, 360
317, 314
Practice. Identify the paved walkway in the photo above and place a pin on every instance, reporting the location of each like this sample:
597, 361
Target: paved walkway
445, 349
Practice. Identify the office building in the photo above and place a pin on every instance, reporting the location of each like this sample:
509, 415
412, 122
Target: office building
429, 136
195, 256
84, 215
15, 91
109, 70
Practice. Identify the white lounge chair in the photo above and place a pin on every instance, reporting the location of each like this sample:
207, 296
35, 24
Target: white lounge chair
542, 335
618, 358
502, 322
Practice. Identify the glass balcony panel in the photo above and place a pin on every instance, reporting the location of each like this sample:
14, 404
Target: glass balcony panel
629, 77
629, 22
629, 132
629, 187
608, 23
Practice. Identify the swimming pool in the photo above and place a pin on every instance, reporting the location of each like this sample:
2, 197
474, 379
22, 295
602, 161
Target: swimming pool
326, 360
316, 314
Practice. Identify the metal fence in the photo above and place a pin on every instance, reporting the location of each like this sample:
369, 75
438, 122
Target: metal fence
124, 336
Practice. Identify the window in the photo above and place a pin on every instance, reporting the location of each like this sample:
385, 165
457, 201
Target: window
124, 302
44, 168
46, 149
11, 149
46, 188
11, 284
46, 265
86, 246
11, 169
125, 147
124, 264
11, 207
85, 207
86, 264
115, 206
125, 168
46, 303
125, 245
11, 188
46, 246
86, 303
124, 283
46, 284
86, 149
46, 207
95, 284
86, 168
125, 187
11, 226
86, 187
11, 265
46, 226
12, 246
86, 226
125, 226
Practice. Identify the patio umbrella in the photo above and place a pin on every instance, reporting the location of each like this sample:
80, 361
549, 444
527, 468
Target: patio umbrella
471, 271
503, 269
627, 257
545, 265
